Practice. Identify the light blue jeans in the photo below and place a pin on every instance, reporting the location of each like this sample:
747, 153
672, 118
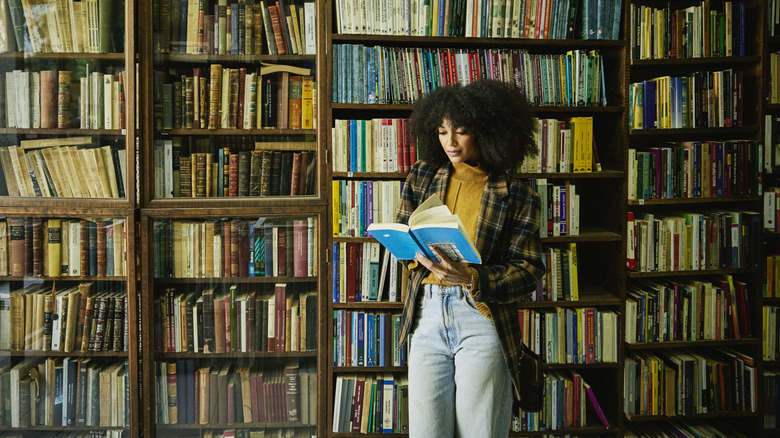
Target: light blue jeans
459, 385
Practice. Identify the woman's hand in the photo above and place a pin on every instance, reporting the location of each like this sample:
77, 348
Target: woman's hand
447, 270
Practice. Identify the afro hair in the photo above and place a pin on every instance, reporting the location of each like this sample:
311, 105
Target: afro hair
494, 112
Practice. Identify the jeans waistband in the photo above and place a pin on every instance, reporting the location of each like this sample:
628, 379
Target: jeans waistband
441, 290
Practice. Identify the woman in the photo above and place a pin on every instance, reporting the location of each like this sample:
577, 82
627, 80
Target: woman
462, 318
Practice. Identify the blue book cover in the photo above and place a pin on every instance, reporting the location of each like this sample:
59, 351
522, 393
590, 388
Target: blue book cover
370, 339
268, 231
353, 155
432, 225
336, 273
69, 398
382, 338
371, 77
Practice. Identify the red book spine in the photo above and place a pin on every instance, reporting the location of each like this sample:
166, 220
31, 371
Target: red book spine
233, 237
301, 250
280, 292
226, 245
281, 251
233, 176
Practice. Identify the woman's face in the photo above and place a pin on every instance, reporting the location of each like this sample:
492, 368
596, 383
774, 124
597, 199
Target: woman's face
458, 143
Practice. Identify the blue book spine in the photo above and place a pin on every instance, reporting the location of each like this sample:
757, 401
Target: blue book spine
109, 250
335, 96
336, 273
370, 339
251, 237
382, 340
234, 28
440, 30
371, 78
353, 162
58, 387
369, 203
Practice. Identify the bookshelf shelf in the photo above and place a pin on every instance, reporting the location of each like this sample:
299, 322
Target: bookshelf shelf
238, 132
632, 274
403, 40
257, 355
365, 305
685, 133
233, 59
605, 174
704, 343
540, 110
62, 131
119, 57
370, 369
64, 279
13, 430
579, 431
49, 353
223, 280
703, 62
709, 415
369, 175
214, 426
683, 201
771, 363
587, 234
581, 366
589, 297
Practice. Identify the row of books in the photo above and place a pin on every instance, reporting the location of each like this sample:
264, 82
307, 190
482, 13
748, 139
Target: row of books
771, 400
697, 31
217, 97
274, 27
771, 287
688, 383
770, 332
561, 280
371, 403
473, 18
572, 335
566, 399
263, 247
691, 241
358, 204
228, 393
376, 145
74, 318
66, 26
400, 75
65, 392
686, 429
53, 247
60, 99
710, 99
366, 272
367, 339
560, 208
79, 169
564, 146
705, 309
180, 172
235, 320
695, 169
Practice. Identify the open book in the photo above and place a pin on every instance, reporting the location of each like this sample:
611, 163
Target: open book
431, 225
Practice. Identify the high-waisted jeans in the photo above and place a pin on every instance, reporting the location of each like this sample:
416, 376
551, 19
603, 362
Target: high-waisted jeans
459, 384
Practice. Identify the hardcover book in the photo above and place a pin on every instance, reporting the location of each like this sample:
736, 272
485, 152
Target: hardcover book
431, 225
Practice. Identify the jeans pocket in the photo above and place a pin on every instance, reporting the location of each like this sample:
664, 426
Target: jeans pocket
469, 302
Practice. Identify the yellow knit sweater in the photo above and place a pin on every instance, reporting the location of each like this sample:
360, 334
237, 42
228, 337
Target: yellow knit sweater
464, 197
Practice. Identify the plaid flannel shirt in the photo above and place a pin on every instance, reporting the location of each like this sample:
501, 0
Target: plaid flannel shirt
507, 239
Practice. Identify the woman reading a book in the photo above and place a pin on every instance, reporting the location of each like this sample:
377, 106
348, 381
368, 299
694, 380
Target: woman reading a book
462, 318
